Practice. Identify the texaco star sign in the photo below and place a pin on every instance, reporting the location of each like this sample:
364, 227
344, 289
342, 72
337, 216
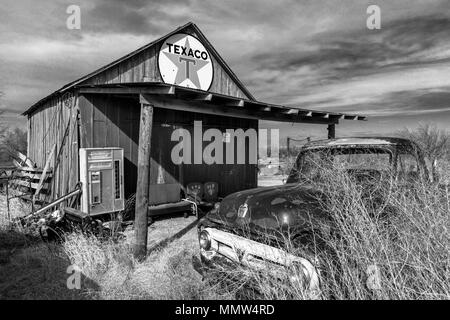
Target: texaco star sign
184, 61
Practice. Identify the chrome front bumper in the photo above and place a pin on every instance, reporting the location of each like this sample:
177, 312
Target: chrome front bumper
230, 248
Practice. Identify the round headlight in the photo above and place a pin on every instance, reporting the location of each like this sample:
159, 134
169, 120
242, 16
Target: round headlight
204, 240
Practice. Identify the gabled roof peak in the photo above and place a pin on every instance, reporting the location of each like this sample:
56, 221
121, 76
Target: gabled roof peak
186, 26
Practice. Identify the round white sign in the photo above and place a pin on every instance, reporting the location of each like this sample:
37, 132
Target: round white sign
184, 61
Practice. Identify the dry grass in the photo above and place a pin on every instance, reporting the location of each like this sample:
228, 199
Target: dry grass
17, 208
408, 241
405, 237
31, 269
165, 274
409, 246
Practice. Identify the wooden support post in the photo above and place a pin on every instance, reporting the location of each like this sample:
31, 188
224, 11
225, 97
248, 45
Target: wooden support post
143, 180
331, 131
287, 146
7, 201
55, 163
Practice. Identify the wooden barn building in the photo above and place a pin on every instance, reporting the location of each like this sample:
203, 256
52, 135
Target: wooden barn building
171, 83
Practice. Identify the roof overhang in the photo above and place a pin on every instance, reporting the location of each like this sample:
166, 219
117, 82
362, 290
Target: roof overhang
161, 94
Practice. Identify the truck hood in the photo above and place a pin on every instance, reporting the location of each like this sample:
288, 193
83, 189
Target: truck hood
288, 207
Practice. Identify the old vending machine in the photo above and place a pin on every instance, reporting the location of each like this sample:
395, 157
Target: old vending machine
101, 176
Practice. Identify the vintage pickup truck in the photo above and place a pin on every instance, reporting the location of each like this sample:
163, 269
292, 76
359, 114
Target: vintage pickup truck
247, 227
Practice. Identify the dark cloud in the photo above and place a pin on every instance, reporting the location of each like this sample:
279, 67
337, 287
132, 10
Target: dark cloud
403, 103
421, 100
133, 17
306, 53
400, 42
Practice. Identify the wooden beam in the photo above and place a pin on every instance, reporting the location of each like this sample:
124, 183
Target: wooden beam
247, 113
32, 185
235, 103
160, 90
28, 136
305, 113
228, 101
204, 97
115, 90
143, 181
336, 116
44, 172
33, 176
291, 111
324, 115
27, 169
169, 90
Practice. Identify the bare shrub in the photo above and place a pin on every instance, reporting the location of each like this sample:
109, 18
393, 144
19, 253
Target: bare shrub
408, 243
16, 140
10, 141
393, 247
435, 144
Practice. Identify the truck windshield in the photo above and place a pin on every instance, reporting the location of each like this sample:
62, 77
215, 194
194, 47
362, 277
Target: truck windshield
310, 163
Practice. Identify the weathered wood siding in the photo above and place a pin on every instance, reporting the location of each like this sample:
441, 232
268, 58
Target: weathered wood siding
47, 126
108, 121
113, 121
143, 67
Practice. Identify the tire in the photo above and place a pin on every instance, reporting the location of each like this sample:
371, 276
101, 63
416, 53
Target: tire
49, 234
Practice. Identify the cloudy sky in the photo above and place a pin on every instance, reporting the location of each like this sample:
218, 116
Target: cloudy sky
310, 53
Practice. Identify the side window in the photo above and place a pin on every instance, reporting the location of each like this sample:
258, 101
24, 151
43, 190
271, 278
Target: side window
294, 173
311, 163
301, 167
407, 165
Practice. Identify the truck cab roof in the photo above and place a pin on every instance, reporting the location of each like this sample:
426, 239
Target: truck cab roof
359, 141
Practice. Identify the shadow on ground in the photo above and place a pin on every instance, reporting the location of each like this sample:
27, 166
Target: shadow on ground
32, 269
